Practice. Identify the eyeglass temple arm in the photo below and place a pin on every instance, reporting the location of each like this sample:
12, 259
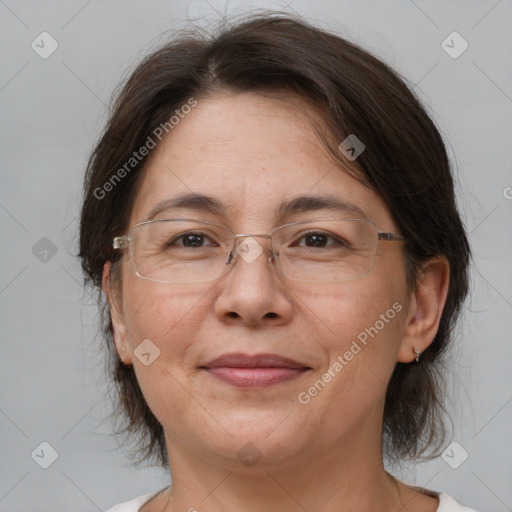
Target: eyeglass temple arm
392, 237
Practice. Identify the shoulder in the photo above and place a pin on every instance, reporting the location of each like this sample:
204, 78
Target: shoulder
134, 504
448, 504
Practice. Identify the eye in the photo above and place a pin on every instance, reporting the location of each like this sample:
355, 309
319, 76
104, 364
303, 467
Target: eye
320, 239
191, 239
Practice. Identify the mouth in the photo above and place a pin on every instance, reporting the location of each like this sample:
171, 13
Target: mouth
256, 371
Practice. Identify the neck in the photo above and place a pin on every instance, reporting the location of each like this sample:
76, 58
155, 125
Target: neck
352, 478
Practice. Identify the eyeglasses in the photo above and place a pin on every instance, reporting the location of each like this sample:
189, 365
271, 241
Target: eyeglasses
191, 251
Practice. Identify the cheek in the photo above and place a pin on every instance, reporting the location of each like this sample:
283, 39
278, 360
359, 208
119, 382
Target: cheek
362, 347
344, 311
360, 326
168, 315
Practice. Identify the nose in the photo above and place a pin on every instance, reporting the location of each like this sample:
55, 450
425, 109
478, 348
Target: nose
252, 293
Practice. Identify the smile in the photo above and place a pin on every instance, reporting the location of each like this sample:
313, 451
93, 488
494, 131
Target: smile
257, 371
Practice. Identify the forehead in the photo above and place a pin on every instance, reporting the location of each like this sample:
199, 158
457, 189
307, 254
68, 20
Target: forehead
252, 153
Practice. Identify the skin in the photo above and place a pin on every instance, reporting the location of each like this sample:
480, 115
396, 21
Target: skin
252, 152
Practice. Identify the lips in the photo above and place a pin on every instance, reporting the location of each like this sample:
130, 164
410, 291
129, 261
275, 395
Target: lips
239, 360
254, 371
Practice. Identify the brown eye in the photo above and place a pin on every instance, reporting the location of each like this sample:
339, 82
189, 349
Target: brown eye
320, 240
191, 240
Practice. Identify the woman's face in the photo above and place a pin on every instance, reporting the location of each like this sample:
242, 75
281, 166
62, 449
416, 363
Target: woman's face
252, 154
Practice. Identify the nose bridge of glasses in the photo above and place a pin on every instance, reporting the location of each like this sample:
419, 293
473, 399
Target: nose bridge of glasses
248, 248
251, 235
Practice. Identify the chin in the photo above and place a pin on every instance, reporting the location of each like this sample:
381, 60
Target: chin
258, 439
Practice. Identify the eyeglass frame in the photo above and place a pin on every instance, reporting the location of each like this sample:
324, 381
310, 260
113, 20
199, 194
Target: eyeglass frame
124, 241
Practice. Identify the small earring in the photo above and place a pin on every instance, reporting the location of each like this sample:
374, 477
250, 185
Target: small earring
417, 352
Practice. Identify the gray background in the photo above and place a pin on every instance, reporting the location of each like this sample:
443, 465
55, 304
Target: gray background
52, 109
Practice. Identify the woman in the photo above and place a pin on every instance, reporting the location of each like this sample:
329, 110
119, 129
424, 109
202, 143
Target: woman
270, 214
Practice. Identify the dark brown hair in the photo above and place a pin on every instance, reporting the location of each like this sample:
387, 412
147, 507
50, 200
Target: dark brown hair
405, 161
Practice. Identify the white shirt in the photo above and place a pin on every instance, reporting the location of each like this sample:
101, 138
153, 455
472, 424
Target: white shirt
446, 503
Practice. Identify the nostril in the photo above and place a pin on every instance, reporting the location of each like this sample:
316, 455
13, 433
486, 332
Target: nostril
271, 315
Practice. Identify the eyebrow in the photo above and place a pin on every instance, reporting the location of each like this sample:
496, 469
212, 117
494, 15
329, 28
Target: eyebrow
300, 204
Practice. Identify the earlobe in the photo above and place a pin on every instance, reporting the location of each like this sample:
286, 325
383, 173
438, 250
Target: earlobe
118, 326
426, 308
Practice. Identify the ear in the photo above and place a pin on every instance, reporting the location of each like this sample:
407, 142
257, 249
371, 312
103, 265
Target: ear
425, 308
116, 313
